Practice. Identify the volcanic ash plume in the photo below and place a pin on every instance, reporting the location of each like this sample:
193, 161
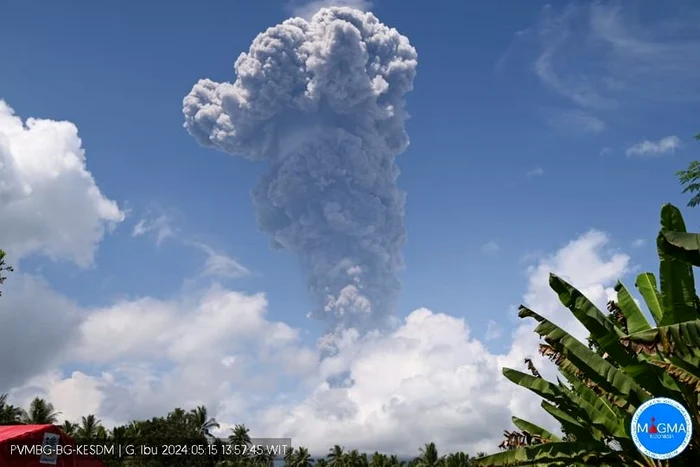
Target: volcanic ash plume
322, 102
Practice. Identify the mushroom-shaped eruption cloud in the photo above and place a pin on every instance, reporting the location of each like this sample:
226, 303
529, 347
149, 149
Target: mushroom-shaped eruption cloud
322, 101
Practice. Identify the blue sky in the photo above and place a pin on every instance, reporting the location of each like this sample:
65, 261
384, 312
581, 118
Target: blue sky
531, 124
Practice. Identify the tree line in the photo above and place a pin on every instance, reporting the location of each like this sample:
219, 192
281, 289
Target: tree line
195, 427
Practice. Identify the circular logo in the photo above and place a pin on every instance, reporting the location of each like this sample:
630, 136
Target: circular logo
661, 428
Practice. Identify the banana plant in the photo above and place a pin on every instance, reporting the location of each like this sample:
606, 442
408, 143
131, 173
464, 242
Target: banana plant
629, 361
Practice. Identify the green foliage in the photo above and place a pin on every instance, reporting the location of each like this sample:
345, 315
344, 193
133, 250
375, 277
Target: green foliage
3, 268
429, 456
626, 363
9, 414
40, 412
183, 427
690, 179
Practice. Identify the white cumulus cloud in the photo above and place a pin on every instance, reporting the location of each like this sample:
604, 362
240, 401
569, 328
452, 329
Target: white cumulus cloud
648, 148
307, 8
218, 348
49, 201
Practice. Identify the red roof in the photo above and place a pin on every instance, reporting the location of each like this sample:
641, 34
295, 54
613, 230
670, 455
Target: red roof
16, 435
8, 432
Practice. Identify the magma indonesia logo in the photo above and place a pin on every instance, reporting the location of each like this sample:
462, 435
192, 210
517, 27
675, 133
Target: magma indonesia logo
661, 428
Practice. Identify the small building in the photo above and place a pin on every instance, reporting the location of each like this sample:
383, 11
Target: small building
31, 446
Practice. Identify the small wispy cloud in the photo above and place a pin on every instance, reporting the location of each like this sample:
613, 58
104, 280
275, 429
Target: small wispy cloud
216, 264
555, 34
602, 56
579, 121
160, 226
648, 148
640, 242
530, 257
605, 151
219, 264
493, 331
536, 172
491, 247
306, 9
